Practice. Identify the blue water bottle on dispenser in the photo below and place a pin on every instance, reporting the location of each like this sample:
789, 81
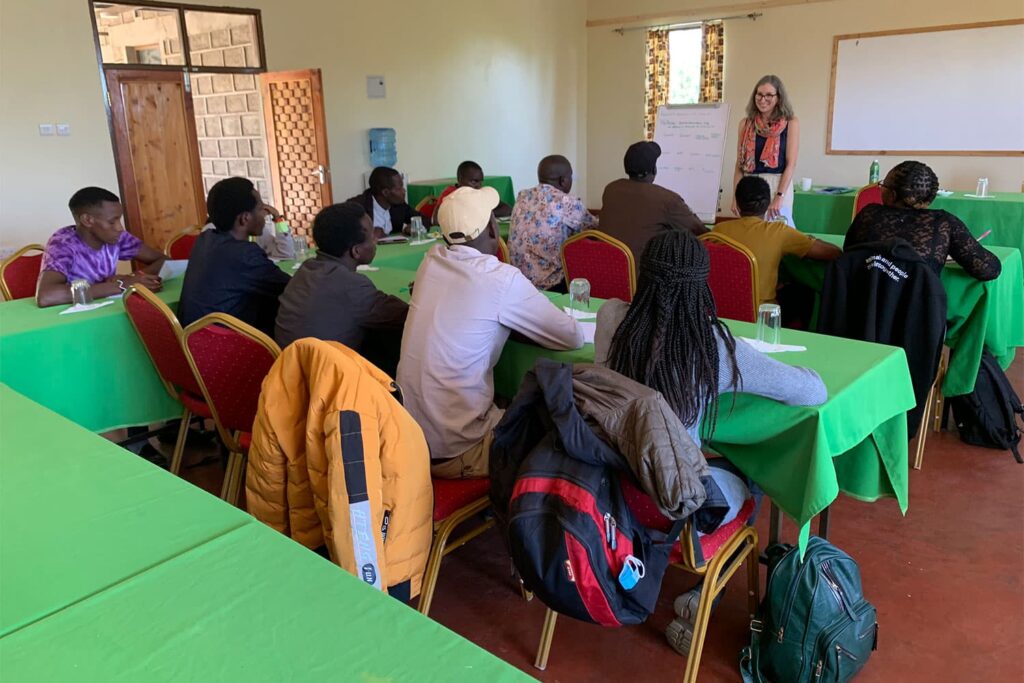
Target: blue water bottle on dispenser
383, 151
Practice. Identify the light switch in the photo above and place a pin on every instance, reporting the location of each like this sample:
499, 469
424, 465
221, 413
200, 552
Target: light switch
63, 129
375, 87
46, 129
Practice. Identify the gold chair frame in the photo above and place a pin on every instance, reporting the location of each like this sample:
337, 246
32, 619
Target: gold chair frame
608, 239
234, 474
5, 291
754, 273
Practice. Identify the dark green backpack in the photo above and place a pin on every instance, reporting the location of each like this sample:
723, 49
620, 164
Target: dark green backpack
815, 626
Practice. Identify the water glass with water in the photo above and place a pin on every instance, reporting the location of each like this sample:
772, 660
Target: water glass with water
301, 248
417, 229
80, 294
579, 295
982, 187
769, 322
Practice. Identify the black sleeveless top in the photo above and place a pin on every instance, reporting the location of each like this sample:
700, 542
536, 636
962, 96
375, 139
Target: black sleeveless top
759, 166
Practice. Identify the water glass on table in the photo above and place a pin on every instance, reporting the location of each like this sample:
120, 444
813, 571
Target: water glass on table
579, 295
769, 322
80, 294
301, 248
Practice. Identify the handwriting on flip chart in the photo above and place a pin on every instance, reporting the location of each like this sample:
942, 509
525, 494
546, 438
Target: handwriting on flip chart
692, 140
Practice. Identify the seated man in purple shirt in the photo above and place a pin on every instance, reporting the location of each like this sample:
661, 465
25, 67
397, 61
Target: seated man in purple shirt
90, 249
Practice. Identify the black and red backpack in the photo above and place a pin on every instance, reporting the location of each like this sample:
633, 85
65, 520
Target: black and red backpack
572, 537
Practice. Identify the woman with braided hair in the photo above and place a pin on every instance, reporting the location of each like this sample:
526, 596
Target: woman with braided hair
670, 339
907, 191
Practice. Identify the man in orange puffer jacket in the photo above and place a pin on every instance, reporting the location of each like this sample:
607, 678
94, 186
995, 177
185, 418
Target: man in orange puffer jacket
336, 460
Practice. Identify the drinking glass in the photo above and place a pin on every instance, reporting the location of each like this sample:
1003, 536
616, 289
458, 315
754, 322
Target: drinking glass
982, 187
769, 322
417, 230
579, 294
301, 248
80, 294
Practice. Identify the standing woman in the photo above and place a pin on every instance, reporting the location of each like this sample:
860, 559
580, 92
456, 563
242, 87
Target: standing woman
768, 145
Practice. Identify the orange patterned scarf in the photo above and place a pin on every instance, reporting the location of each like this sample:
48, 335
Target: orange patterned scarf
748, 142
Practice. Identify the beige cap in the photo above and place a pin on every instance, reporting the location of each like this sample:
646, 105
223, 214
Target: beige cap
466, 213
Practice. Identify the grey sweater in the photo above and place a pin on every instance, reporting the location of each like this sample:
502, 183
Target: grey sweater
761, 375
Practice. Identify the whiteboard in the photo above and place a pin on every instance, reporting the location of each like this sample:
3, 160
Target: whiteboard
692, 140
957, 89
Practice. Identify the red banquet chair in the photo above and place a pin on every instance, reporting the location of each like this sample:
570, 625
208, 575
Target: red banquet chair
19, 273
715, 557
869, 194
161, 336
603, 260
455, 501
230, 359
733, 278
180, 246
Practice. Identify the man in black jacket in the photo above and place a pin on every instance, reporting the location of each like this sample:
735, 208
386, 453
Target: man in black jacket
385, 203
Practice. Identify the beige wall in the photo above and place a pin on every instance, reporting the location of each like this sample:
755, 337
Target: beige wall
794, 43
502, 83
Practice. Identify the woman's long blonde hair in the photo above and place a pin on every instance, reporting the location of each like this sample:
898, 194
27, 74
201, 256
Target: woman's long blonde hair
783, 109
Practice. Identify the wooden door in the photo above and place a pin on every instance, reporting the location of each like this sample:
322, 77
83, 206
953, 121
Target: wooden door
157, 153
293, 109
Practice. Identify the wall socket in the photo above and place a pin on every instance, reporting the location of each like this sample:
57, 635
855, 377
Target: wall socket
46, 129
63, 129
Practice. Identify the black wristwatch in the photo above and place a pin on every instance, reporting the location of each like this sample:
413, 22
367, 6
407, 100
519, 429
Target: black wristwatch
780, 194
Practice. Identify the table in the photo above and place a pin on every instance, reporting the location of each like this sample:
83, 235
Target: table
115, 570
1003, 214
91, 368
801, 456
981, 315
418, 190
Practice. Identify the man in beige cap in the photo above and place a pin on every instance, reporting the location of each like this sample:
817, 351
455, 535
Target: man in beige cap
464, 305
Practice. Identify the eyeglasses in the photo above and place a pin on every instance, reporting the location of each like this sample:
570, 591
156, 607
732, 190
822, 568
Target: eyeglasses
768, 96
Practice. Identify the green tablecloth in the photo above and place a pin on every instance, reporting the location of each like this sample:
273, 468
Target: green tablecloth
91, 368
115, 570
981, 315
801, 456
1003, 214
418, 189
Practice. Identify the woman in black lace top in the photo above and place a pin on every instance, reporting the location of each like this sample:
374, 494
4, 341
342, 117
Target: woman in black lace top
906, 193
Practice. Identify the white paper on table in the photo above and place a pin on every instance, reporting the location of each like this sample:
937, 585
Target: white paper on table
82, 308
429, 240
589, 330
365, 267
765, 347
579, 315
980, 196
172, 268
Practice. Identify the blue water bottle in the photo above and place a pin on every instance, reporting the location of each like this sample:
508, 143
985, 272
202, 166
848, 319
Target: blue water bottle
383, 151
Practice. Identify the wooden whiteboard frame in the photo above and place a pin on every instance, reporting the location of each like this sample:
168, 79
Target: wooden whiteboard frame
907, 152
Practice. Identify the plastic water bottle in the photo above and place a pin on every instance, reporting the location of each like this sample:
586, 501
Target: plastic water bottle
383, 150
875, 173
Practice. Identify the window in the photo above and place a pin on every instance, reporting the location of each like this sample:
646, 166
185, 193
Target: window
152, 36
684, 58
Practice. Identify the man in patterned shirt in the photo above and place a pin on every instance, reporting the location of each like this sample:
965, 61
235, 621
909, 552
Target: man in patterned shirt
543, 218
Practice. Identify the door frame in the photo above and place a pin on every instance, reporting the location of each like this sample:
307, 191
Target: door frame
122, 148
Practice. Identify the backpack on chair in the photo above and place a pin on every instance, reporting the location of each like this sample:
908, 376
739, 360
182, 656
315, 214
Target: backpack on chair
815, 625
988, 415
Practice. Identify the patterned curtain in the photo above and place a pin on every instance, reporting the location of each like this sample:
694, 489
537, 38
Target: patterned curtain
712, 61
657, 78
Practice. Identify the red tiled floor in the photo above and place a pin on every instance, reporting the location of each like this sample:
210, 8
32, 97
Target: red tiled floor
946, 580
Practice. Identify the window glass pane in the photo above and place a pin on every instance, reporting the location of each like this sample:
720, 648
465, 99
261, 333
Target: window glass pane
222, 39
684, 66
130, 34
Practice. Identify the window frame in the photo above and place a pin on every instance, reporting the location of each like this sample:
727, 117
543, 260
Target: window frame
180, 9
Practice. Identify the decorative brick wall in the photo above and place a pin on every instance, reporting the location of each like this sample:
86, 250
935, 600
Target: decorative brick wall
229, 109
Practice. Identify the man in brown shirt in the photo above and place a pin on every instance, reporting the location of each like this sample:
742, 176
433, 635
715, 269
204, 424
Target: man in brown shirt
635, 210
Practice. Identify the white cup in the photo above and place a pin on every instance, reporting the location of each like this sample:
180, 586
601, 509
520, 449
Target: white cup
805, 184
